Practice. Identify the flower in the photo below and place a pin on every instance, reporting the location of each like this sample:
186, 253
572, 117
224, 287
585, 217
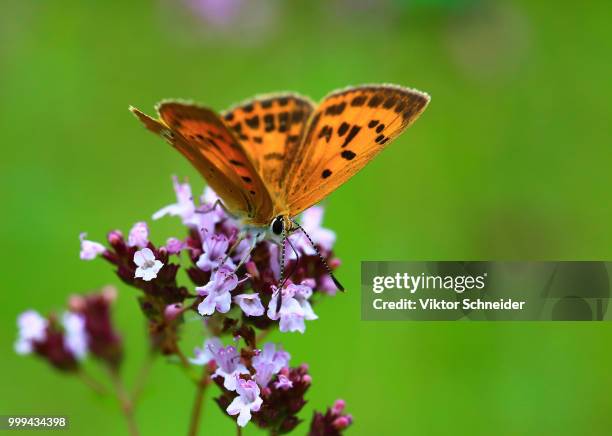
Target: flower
139, 235
89, 249
229, 366
294, 308
148, 266
215, 252
59, 345
103, 341
242, 250
172, 311
32, 328
221, 13
248, 400
281, 405
268, 363
202, 218
332, 423
183, 207
283, 382
210, 199
174, 245
311, 223
206, 353
75, 337
250, 304
217, 292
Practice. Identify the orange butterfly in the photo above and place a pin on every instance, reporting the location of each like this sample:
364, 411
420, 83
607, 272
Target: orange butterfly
274, 156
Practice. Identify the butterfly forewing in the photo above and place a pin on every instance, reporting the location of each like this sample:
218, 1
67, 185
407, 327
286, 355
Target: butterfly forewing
346, 131
270, 128
204, 139
273, 155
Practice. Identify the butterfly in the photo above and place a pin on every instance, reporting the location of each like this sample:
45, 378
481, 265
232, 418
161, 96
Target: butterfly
273, 156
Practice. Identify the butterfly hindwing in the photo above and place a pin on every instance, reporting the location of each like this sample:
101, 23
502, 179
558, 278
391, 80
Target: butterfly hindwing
346, 131
270, 128
204, 139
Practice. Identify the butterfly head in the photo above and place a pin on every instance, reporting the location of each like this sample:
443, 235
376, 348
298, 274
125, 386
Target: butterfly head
279, 225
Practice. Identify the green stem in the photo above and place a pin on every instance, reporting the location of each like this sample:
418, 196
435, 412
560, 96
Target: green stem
91, 382
127, 405
196, 410
143, 375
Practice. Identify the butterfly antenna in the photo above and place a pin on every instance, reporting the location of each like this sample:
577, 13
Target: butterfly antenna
283, 280
282, 258
297, 256
321, 258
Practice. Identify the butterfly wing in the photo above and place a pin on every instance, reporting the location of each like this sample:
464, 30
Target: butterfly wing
346, 131
212, 148
270, 128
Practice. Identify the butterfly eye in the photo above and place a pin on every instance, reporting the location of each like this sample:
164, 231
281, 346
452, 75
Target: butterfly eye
277, 225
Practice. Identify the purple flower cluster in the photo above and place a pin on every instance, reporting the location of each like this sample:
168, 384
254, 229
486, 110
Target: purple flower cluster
259, 385
332, 423
64, 341
235, 288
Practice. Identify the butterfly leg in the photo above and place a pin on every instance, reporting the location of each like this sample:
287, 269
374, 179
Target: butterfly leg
254, 242
241, 237
217, 203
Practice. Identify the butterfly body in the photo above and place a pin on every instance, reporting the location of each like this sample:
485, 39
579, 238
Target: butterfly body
271, 157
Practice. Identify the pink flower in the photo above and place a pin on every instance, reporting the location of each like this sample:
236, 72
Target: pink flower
207, 353
139, 235
268, 363
32, 328
148, 266
75, 336
248, 400
174, 245
183, 207
89, 249
283, 382
294, 309
217, 292
229, 366
172, 311
250, 304
215, 253
311, 221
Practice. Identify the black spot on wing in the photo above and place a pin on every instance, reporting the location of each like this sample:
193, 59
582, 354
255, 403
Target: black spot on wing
326, 173
283, 121
252, 122
348, 154
269, 122
351, 135
326, 132
297, 116
358, 101
375, 100
335, 109
343, 128
389, 102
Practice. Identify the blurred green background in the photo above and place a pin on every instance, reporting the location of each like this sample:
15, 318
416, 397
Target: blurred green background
511, 160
